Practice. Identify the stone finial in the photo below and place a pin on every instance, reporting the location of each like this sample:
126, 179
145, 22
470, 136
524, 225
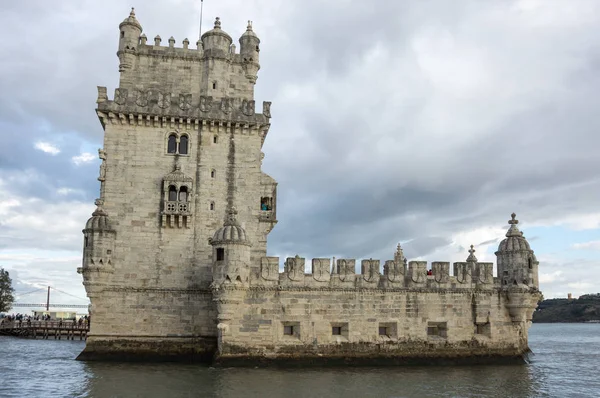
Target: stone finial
132, 13
472, 258
171, 42
157, 40
249, 27
513, 230
186, 43
143, 38
232, 217
199, 45
217, 23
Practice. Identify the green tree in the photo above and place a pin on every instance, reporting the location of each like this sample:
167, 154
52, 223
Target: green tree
6, 291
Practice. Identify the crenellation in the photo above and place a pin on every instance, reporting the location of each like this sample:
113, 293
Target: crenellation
175, 256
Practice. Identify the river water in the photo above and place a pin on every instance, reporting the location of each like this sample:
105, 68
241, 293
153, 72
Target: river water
566, 364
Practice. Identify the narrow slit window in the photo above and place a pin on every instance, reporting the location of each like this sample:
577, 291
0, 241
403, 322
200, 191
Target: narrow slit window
530, 263
172, 144
183, 194
212, 205
215, 139
172, 193
220, 254
122, 34
213, 173
183, 145
214, 85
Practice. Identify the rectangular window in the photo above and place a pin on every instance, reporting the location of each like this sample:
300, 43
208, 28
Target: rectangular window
437, 329
291, 330
336, 330
483, 329
220, 254
388, 329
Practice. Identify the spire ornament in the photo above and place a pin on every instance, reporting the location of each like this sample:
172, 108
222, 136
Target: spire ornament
513, 230
217, 23
472, 258
249, 27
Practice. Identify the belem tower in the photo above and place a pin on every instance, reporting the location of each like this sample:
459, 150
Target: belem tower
175, 255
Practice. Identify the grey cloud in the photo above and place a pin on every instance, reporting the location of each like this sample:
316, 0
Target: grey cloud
392, 120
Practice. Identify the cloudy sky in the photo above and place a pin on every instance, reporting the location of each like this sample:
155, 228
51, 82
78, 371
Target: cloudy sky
422, 122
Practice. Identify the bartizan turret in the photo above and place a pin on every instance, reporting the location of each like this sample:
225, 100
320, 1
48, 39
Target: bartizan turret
129, 37
517, 265
517, 271
98, 245
249, 50
231, 253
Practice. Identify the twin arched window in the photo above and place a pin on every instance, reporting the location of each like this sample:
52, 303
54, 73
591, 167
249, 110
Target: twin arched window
177, 144
181, 195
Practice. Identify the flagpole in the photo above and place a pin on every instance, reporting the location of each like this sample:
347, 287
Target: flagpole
201, 9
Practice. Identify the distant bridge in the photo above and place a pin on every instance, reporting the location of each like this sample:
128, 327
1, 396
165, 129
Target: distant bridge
47, 304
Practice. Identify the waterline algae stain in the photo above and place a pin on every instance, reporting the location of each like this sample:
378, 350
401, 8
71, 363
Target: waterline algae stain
564, 365
175, 256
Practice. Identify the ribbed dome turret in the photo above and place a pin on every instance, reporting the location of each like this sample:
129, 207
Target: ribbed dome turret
216, 42
231, 231
99, 220
131, 20
515, 241
249, 32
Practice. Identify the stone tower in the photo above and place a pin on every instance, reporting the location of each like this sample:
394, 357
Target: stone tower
182, 139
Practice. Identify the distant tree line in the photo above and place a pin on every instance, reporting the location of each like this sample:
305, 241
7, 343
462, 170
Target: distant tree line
584, 309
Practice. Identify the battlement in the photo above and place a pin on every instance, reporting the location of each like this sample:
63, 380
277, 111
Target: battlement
341, 273
213, 69
154, 105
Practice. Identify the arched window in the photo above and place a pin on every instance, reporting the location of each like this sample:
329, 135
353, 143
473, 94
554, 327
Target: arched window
172, 194
212, 205
172, 144
183, 194
213, 173
215, 139
214, 85
183, 145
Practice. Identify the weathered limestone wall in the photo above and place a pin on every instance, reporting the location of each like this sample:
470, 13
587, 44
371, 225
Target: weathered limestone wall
257, 330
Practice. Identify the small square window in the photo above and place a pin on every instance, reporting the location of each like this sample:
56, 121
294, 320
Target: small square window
383, 331
288, 330
336, 330
437, 329
483, 329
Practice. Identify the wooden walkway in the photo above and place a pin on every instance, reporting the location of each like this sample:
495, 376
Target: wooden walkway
67, 330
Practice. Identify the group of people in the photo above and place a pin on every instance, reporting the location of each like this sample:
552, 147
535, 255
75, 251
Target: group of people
20, 318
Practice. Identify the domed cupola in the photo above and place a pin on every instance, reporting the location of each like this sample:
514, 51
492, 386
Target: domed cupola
231, 231
131, 20
99, 221
216, 42
517, 265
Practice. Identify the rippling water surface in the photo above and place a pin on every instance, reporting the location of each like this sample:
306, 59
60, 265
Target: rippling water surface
566, 364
